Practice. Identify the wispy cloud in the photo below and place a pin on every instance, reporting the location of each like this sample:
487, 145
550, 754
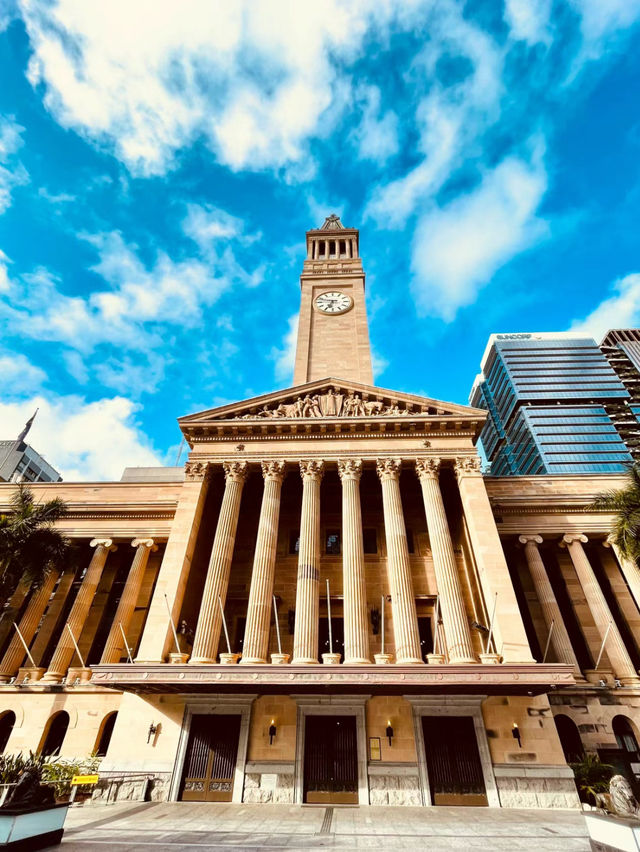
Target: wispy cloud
285, 356
12, 172
620, 309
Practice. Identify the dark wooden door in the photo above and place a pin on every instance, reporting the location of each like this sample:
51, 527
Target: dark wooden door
210, 762
453, 761
330, 760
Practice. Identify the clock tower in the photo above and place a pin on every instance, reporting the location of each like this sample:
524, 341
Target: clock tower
333, 334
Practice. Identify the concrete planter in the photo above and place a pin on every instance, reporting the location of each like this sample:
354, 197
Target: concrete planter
32, 827
435, 659
331, 659
29, 674
383, 659
78, 673
490, 659
229, 659
176, 659
609, 833
279, 659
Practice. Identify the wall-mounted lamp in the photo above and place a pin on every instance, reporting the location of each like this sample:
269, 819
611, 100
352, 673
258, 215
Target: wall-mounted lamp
515, 733
272, 731
389, 731
153, 730
375, 620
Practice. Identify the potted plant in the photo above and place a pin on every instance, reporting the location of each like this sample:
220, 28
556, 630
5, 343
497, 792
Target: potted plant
592, 778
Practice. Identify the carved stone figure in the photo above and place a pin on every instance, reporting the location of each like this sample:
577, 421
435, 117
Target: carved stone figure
332, 404
622, 798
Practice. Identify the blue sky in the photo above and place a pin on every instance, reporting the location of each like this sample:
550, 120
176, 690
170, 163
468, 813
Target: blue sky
161, 161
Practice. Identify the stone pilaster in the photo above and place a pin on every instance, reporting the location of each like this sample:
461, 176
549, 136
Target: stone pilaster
356, 626
629, 569
65, 650
114, 645
508, 627
157, 637
29, 622
207, 636
256, 634
403, 603
550, 610
454, 617
599, 608
305, 638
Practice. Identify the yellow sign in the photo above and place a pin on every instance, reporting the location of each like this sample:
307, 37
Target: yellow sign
84, 779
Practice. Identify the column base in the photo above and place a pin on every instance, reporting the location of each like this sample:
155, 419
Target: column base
304, 661
29, 674
252, 661
596, 675
331, 659
409, 661
357, 661
52, 677
201, 661
383, 659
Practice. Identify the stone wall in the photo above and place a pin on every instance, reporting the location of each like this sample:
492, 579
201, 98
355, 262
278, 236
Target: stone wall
132, 787
536, 786
394, 784
269, 782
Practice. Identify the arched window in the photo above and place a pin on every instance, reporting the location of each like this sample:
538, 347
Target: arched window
104, 737
7, 721
625, 736
55, 733
569, 738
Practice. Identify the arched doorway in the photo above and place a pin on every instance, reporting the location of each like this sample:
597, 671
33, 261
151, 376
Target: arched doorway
104, 737
7, 722
569, 738
625, 736
55, 733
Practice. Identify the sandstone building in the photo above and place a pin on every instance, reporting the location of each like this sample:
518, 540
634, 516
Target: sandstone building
437, 631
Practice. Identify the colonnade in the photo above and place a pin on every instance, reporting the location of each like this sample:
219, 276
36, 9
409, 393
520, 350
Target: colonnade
608, 631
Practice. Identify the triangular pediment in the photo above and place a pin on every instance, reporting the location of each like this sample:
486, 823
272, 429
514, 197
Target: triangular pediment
330, 399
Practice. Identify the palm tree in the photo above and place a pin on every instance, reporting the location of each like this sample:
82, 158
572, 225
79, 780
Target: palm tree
625, 505
30, 545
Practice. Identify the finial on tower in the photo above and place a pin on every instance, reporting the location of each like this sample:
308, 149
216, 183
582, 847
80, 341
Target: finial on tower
332, 223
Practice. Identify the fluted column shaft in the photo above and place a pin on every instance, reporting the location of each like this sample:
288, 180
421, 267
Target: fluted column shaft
305, 637
65, 650
599, 608
207, 635
403, 604
29, 622
356, 627
629, 569
550, 610
454, 616
114, 645
256, 634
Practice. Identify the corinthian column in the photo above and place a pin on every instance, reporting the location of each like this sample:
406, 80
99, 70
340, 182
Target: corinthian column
28, 625
596, 601
256, 634
65, 650
305, 638
629, 569
114, 645
454, 616
549, 605
403, 603
205, 643
356, 628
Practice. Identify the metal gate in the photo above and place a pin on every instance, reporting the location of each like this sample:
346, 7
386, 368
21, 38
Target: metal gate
453, 761
330, 760
210, 762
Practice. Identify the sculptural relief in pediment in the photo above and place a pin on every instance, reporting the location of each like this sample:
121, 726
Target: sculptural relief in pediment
332, 403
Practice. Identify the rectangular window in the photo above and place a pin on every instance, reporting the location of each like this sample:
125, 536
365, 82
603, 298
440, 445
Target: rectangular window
333, 542
294, 541
370, 540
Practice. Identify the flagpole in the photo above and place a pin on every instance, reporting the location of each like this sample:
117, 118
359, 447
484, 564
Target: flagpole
75, 645
26, 647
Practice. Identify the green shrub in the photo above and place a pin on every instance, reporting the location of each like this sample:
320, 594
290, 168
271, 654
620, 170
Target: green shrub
59, 771
592, 777
11, 765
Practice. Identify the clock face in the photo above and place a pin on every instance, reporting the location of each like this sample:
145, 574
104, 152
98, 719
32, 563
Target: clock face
333, 302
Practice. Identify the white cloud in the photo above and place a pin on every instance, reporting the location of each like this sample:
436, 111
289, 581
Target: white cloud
528, 20
621, 309
457, 248
12, 172
18, 374
376, 137
286, 356
82, 440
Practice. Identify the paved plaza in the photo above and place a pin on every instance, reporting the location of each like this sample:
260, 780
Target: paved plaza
181, 826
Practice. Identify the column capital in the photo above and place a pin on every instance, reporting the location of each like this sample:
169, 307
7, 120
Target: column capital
197, 471
274, 470
103, 542
428, 467
388, 468
350, 468
144, 542
235, 471
530, 539
312, 468
467, 466
572, 538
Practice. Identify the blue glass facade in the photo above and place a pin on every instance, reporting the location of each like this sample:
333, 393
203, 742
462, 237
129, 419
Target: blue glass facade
546, 397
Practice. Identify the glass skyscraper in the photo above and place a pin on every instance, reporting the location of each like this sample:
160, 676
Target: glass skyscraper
548, 396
